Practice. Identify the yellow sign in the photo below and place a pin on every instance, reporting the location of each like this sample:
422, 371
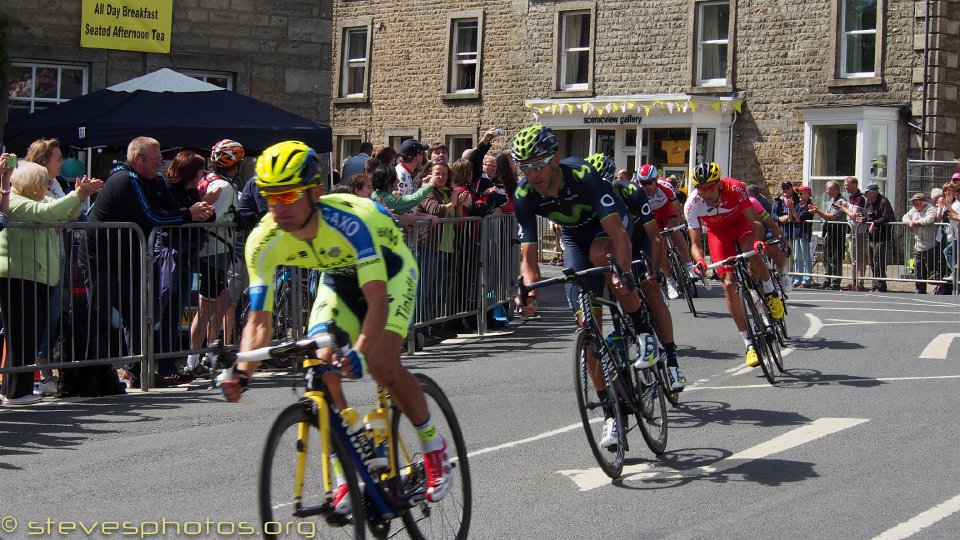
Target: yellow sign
127, 25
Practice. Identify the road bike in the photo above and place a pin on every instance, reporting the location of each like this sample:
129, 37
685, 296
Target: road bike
309, 441
760, 323
686, 286
627, 389
780, 325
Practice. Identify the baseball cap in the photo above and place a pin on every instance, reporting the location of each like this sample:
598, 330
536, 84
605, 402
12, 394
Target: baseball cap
786, 184
873, 187
412, 147
936, 192
956, 176
804, 188
919, 197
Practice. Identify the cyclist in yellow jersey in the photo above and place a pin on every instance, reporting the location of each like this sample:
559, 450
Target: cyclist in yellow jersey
368, 288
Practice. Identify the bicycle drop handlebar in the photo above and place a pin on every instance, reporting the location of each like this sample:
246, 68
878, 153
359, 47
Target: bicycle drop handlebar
670, 230
571, 276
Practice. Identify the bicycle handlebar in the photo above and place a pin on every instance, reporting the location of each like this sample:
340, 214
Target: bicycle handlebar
569, 275
731, 260
670, 230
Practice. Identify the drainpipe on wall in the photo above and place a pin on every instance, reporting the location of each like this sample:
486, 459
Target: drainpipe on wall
923, 95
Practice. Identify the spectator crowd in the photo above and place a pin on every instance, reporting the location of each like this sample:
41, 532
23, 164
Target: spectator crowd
202, 211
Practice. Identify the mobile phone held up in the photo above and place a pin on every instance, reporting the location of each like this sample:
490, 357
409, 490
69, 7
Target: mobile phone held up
11, 161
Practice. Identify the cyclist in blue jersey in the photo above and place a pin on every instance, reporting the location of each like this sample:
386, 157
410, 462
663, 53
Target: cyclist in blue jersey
593, 222
646, 239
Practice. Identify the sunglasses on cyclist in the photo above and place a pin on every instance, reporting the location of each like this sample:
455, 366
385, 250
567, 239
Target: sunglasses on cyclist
286, 197
707, 188
647, 182
534, 165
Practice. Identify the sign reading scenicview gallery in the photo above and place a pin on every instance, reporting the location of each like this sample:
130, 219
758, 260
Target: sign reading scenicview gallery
127, 25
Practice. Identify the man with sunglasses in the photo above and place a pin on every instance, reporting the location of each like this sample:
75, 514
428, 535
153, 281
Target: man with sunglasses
593, 223
368, 290
666, 212
645, 240
723, 205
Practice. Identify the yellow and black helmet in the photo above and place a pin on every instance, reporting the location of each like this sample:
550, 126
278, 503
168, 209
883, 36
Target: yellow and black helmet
705, 173
289, 163
534, 141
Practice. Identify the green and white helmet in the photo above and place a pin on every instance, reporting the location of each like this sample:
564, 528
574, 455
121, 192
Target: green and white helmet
534, 141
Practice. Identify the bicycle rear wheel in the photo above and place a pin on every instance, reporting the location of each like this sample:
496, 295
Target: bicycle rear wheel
652, 418
450, 517
756, 329
591, 410
295, 435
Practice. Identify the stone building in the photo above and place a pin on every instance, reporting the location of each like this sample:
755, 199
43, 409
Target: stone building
771, 90
277, 51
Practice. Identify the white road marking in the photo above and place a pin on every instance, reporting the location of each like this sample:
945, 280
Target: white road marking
593, 478
883, 309
851, 379
849, 322
544, 435
921, 521
939, 346
815, 326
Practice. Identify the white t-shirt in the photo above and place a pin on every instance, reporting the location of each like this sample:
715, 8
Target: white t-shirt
405, 180
224, 207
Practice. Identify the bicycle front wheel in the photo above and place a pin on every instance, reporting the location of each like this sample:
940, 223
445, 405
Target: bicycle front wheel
592, 414
757, 329
291, 458
450, 517
652, 418
687, 288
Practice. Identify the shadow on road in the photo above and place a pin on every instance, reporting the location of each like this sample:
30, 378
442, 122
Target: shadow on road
66, 424
693, 414
805, 378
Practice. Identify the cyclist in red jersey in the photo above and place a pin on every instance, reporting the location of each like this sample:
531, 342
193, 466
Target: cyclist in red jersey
667, 211
724, 207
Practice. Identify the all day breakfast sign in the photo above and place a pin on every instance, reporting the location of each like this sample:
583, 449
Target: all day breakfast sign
127, 25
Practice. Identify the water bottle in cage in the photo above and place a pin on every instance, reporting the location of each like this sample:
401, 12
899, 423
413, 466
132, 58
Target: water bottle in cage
758, 301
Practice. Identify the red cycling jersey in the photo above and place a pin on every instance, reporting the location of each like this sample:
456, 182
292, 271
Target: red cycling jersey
661, 202
726, 224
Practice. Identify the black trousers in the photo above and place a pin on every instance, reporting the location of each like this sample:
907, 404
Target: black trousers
23, 307
924, 264
833, 249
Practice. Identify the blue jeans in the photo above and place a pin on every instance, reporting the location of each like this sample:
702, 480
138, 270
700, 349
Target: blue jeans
802, 263
948, 256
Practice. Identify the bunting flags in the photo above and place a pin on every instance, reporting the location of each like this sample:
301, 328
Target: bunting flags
610, 107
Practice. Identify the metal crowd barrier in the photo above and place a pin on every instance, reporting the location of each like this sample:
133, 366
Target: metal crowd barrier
132, 300
95, 314
861, 261
467, 267
550, 245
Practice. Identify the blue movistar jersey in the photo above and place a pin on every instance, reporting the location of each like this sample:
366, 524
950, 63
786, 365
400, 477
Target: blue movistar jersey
584, 199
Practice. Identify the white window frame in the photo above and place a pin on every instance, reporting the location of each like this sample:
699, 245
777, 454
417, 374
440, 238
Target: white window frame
360, 29
343, 147
205, 76
865, 118
701, 43
459, 59
349, 63
31, 100
564, 67
846, 35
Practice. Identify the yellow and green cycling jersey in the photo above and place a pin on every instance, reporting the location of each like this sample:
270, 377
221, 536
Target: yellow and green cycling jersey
356, 242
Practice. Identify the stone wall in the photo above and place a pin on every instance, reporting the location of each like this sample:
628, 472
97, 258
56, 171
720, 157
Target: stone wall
279, 51
782, 60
